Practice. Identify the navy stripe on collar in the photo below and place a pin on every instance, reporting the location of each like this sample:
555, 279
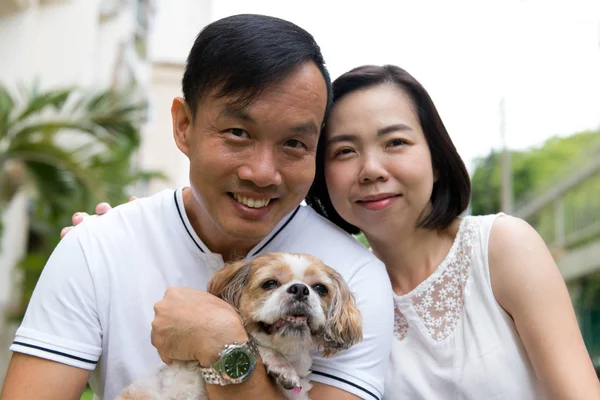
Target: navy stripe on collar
345, 381
253, 254
277, 233
184, 224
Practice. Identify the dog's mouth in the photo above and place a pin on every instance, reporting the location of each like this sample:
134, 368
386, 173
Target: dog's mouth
294, 322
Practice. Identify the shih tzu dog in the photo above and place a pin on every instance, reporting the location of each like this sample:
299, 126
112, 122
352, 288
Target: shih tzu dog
291, 305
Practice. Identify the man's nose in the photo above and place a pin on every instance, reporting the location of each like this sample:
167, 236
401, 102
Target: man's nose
299, 291
261, 168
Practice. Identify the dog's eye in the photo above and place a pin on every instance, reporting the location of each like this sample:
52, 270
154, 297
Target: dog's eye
270, 284
321, 289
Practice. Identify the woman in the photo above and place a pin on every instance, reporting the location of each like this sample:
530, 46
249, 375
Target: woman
481, 309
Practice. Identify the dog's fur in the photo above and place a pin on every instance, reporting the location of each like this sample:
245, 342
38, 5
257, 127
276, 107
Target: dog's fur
285, 325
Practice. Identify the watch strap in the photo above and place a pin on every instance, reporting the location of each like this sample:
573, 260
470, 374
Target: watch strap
213, 374
212, 377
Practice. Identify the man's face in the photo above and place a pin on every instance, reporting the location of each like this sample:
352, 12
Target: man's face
251, 167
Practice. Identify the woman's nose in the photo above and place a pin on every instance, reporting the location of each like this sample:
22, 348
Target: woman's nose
373, 170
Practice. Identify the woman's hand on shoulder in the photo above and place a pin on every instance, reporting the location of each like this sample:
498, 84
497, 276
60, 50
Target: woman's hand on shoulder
77, 218
528, 285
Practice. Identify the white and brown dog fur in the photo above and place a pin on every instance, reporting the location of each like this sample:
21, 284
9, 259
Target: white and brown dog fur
291, 305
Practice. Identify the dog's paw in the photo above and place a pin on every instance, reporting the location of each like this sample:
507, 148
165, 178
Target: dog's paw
289, 381
285, 375
280, 368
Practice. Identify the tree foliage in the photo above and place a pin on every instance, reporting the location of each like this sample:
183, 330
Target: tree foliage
533, 171
67, 149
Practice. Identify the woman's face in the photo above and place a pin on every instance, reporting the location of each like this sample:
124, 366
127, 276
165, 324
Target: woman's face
377, 164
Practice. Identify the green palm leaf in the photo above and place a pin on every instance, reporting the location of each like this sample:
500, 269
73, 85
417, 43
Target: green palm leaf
73, 145
6, 107
39, 102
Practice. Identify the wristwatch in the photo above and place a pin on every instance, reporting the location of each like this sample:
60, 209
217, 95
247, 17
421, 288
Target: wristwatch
235, 365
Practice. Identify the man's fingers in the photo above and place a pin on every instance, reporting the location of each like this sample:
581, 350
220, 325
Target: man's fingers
103, 208
154, 341
132, 198
165, 359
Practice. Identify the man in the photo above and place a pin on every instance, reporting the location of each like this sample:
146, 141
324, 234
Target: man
255, 95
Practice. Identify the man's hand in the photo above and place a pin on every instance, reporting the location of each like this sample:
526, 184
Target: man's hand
101, 209
194, 325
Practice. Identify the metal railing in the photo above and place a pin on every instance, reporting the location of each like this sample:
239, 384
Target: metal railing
568, 214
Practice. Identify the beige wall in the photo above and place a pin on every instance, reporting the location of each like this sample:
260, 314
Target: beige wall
158, 150
68, 43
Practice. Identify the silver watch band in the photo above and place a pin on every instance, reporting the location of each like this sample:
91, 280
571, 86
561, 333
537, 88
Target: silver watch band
214, 377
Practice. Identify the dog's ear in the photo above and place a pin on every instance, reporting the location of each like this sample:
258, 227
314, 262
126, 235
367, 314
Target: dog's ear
343, 328
229, 282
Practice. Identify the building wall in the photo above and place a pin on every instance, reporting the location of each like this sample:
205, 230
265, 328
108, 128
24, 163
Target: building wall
12, 248
175, 28
70, 42
158, 150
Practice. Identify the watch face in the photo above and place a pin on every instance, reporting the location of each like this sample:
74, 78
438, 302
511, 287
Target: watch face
237, 364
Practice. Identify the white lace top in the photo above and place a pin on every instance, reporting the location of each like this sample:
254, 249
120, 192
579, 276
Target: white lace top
453, 340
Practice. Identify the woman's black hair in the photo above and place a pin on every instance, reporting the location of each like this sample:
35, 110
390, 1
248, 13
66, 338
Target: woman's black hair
452, 190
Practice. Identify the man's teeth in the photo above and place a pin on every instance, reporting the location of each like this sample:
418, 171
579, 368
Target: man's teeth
252, 203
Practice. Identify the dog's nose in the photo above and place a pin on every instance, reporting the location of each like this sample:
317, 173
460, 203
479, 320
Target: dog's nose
299, 291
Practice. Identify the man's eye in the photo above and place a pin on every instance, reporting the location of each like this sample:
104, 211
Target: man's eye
238, 132
294, 143
270, 284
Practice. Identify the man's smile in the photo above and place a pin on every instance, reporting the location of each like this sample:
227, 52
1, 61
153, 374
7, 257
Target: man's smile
252, 202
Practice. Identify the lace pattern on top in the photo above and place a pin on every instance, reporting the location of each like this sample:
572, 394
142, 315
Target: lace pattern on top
400, 324
440, 304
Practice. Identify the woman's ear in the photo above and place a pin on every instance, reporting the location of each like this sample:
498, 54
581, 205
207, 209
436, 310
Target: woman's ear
182, 124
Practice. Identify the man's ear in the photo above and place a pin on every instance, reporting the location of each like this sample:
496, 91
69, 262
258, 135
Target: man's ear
182, 124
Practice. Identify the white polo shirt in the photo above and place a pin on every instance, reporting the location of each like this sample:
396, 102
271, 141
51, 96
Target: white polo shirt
93, 305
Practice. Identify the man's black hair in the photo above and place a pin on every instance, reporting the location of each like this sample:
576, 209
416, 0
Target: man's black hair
243, 54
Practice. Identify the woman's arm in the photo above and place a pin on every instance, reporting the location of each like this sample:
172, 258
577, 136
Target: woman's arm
528, 285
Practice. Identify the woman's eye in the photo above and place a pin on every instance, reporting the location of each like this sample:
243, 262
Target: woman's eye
321, 289
270, 284
294, 143
396, 142
238, 132
342, 152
